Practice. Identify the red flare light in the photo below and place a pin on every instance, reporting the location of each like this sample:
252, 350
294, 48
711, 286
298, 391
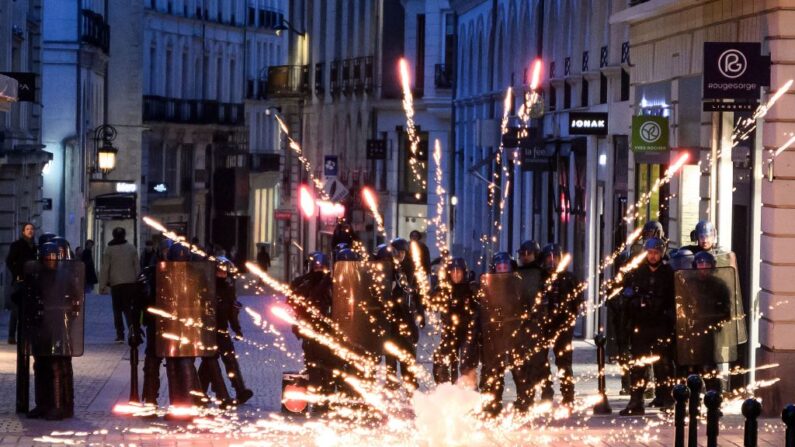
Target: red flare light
306, 201
535, 76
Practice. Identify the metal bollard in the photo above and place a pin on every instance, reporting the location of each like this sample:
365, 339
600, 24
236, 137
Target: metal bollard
695, 384
713, 400
751, 410
788, 416
681, 395
603, 407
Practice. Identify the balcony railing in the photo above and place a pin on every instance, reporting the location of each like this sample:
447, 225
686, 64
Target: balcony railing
285, 81
320, 87
443, 76
94, 30
334, 78
192, 111
257, 89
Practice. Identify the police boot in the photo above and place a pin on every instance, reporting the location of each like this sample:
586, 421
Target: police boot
68, 388
242, 394
41, 382
635, 405
56, 411
625, 388
151, 380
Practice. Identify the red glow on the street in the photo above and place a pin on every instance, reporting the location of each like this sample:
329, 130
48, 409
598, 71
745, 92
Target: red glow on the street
535, 76
306, 201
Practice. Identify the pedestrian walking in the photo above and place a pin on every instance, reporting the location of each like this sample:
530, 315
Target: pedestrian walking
263, 258
21, 251
148, 255
119, 272
87, 256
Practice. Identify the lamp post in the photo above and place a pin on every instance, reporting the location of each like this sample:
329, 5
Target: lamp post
285, 25
106, 152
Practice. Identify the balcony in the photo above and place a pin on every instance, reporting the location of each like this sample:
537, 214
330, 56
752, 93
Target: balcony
94, 30
320, 87
443, 76
347, 82
192, 111
363, 74
288, 81
334, 78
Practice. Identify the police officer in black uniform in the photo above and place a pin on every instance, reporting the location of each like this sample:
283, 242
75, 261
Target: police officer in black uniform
405, 312
563, 301
536, 366
456, 308
648, 300
315, 288
152, 362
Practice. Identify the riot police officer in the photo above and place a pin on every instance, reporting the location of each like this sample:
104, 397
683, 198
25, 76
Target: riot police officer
55, 325
708, 310
315, 287
456, 307
563, 304
648, 301
536, 366
152, 362
185, 288
405, 312
528, 255
705, 237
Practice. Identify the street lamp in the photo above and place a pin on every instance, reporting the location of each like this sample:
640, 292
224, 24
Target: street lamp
285, 25
106, 152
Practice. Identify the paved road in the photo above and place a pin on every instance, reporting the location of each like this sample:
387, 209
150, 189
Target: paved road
102, 380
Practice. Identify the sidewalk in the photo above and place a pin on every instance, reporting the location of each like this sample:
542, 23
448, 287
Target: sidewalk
102, 380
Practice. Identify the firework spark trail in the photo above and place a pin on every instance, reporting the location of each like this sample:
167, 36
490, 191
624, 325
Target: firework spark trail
632, 212
369, 199
417, 167
302, 158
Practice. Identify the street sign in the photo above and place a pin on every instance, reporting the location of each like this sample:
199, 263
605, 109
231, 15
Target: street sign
735, 70
114, 207
335, 190
519, 137
534, 158
26, 88
331, 166
586, 123
376, 149
649, 133
46, 204
719, 106
283, 214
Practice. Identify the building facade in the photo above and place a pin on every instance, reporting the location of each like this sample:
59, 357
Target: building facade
209, 147
345, 96
21, 156
573, 189
747, 193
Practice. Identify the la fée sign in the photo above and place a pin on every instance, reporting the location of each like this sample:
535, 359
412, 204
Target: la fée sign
587, 123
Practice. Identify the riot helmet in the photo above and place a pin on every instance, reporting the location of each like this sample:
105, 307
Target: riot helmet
457, 268
46, 237
704, 260
179, 252
163, 248
551, 256
64, 250
223, 267
528, 252
383, 251
652, 229
706, 234
655, 247
341, 246
49, 254
502, 263
317, 261
347, 255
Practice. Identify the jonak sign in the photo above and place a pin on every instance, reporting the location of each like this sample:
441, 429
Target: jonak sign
584, 123
649, 133
735, 70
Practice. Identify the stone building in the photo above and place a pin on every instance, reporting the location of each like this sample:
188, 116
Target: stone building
21, 156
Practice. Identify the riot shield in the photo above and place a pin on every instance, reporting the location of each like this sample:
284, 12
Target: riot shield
57, 324
355, 305
729, 259
502, 306
532, 282
186, 291
706, 330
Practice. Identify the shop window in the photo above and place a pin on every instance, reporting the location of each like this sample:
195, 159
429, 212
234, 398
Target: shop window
411, 190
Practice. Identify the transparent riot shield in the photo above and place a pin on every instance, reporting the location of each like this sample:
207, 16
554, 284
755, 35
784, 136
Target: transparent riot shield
502, 306
57, 323
729, 259
355, 305
186, 291
706, 329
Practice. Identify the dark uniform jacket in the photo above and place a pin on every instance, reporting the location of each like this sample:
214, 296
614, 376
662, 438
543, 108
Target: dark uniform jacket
315, 287
563, 304
649, 306
20, 252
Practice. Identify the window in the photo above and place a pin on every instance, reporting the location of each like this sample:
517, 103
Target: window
419, 75
602, 88
170, 171
553, 98
566, 95
252, 16
169, 73
624, 85
584, 93
152, 65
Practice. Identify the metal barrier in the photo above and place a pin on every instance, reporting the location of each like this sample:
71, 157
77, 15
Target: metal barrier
751, 410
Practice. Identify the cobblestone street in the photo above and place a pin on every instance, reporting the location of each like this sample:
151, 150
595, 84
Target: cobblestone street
102, 380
